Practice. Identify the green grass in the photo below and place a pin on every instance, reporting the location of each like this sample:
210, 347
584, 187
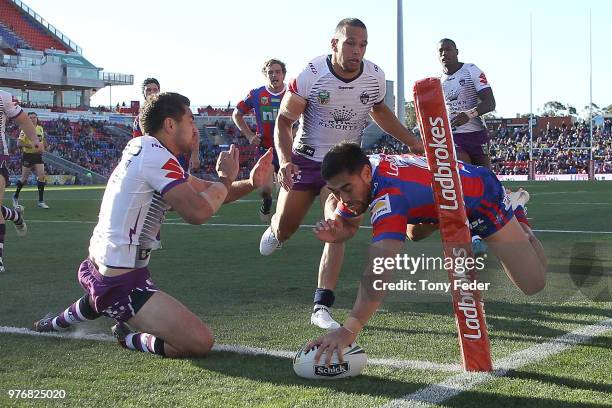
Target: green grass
265, 302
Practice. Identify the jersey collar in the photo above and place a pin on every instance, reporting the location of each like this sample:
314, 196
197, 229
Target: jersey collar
331, 69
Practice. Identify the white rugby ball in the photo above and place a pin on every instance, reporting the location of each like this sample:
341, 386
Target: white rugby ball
355, 360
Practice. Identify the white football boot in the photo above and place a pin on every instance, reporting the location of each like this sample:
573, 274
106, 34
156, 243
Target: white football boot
22, 228
519, 197
269, 243
322, 318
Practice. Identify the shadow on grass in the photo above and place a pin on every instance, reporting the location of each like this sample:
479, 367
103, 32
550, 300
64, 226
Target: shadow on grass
563, 381
475, 398
279, 371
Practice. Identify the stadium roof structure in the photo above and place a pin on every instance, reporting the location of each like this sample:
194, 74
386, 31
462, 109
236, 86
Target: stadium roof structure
35, 55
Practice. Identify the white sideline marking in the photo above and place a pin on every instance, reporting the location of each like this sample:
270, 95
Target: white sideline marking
301, 226
246, 350
455, 385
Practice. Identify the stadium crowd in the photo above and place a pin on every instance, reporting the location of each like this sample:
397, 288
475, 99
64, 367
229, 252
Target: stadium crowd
557, 150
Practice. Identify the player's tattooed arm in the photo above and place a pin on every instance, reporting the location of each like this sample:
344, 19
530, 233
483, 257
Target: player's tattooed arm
386, 119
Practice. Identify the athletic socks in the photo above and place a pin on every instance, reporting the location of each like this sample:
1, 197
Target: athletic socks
19, 187
79, 311
2, 233
324, 297
144, 342
12, 215
41, 190
266, 205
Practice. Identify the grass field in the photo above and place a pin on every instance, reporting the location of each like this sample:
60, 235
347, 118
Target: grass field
265, 302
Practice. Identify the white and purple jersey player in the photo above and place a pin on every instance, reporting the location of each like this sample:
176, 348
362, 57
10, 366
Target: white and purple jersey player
9, 109
133, 208
131, 214
461, 94
337, 110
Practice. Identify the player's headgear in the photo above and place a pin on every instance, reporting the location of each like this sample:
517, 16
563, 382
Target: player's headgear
344, 156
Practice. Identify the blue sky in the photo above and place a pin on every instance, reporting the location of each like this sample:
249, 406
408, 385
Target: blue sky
212, 51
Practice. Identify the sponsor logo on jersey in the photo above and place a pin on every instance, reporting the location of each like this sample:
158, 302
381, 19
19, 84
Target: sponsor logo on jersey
268, 113
312, 68
478, 225
452, 95
264, 100
323, 97
175, 171
333, 369
483, 78
345, 87
341, 120
462, 82
343, 115
305, 149
380, 207
364, 97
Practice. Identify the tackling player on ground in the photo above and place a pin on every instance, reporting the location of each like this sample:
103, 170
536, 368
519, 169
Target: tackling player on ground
468, 96
397, 190
10, 110
147, 181
334, 95
32, 158
265, 102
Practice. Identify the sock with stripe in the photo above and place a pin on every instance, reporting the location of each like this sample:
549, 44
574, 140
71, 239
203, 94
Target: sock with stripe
12, 215
144, 342
78, 312
2, 233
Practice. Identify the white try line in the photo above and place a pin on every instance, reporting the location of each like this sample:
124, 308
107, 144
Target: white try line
245, 350
263, 226
455, 385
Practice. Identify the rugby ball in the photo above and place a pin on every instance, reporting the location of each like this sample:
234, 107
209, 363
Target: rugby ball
355, 360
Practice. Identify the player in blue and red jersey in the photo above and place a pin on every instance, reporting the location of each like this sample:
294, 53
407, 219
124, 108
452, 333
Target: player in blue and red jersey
264, 102
397, 190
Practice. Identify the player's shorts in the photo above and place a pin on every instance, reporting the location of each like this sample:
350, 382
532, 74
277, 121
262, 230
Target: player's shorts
474, 144
309, 178
275, 162
29, 160
118, 297
490, 212
4, 159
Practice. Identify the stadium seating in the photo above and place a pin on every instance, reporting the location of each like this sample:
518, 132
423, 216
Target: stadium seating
12, 39
29, 31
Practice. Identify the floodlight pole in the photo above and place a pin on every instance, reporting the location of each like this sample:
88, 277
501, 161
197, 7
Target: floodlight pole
400, 108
